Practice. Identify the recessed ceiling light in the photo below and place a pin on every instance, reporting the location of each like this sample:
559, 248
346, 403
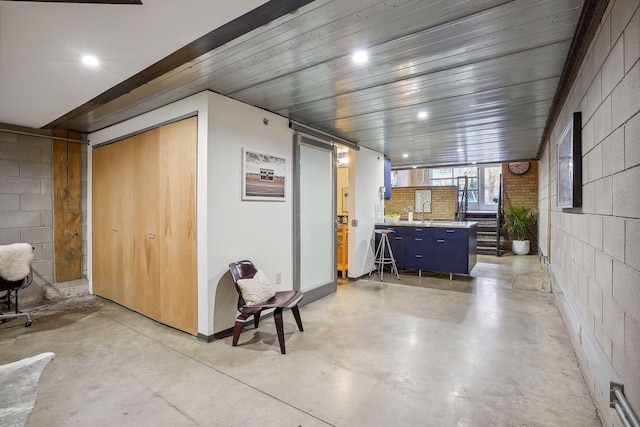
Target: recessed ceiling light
423, 115
405, 155
415, 167
360, 57
460, 150
90, 61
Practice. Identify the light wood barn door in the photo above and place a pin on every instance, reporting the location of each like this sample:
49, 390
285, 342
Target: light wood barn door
146, 241
101, 224
178, 276
112, 222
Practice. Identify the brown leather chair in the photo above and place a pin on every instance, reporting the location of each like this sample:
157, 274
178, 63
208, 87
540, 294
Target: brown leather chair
281, 300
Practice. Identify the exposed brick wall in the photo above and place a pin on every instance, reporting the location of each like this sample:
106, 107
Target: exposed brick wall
443, 202
521, 190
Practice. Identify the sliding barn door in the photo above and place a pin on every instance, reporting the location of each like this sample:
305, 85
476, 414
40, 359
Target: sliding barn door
315, 218
144, 223
178, 276
146, 243
112, 222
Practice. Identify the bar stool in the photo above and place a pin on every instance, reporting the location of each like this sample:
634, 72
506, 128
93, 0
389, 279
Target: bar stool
381, 259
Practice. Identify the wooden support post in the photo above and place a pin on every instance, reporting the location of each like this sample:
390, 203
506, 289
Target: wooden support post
67, 207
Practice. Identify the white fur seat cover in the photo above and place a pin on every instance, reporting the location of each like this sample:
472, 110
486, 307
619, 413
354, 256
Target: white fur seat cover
15, 261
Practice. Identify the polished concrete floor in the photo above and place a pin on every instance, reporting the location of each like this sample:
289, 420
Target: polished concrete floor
485, 350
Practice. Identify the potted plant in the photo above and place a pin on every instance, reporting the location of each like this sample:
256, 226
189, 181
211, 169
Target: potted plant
519, 220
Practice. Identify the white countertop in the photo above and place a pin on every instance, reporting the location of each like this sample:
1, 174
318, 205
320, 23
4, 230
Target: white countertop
438, 224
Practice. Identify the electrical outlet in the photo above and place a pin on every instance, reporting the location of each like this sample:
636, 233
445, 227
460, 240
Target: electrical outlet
354, 222
278, 278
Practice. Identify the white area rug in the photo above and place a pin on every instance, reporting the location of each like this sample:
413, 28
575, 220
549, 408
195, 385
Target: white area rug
19, 388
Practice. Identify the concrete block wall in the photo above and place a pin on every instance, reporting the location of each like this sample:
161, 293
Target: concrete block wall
26, 213
443, 202
26, 210
594, 250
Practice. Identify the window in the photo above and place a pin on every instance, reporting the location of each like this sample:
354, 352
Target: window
483, 182
455, 177
491, 186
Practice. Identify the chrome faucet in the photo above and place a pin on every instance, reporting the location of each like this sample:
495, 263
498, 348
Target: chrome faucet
423, 203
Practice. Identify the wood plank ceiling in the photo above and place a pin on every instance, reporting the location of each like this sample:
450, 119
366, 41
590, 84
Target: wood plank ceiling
485, 71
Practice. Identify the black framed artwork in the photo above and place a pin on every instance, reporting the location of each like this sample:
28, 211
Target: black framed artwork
569, 179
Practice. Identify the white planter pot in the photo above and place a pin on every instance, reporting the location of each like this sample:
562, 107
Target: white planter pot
520, 247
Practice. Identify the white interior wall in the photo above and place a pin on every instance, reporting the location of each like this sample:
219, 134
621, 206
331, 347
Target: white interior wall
260, 231
343, 182
366, 175
229, 229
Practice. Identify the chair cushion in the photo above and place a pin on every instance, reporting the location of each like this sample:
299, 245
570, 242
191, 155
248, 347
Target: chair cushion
256, 290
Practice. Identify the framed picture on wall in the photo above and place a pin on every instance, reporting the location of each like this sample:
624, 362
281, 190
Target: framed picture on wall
263, 176
569, 179
422, 200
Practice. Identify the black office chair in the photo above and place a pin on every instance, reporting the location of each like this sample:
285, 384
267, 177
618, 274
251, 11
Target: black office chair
15, 274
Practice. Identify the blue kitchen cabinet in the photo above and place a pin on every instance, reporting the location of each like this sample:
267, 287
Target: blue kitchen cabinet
453, 249
434, 247
387, 178
397, 245
418, 248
